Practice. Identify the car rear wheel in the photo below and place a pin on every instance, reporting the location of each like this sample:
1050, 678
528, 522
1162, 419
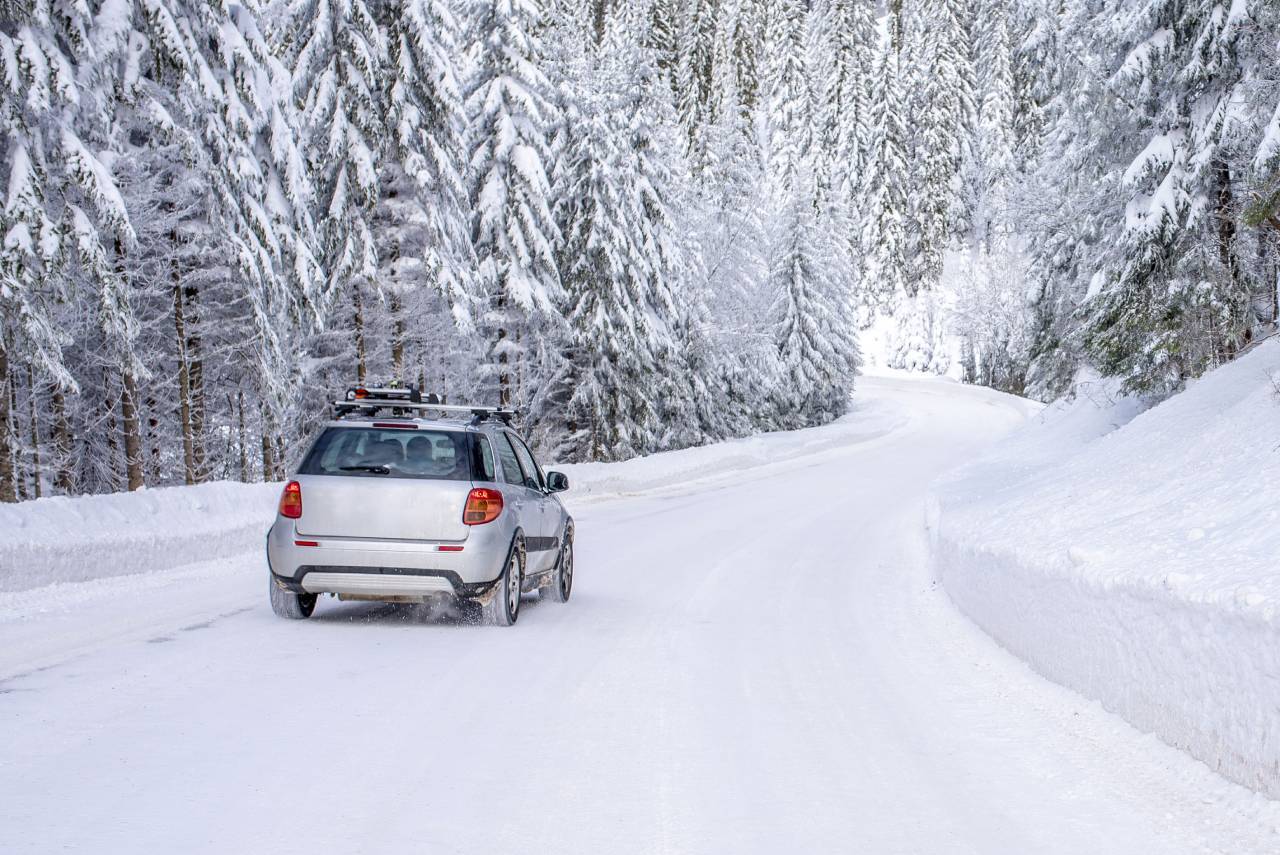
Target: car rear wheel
503, 608
560, 586
287, 604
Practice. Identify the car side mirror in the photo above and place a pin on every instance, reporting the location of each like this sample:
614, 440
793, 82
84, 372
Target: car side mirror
557, 482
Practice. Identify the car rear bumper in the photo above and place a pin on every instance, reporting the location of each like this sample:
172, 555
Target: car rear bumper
386, 568
364, 582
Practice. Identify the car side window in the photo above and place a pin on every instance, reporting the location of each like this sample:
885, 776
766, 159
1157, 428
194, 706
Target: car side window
528, 461
511, 472
527, 466
484, 459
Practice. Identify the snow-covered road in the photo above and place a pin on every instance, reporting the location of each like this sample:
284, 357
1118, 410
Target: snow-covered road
756, 662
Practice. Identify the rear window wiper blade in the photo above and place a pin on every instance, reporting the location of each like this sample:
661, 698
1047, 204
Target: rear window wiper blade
376, 470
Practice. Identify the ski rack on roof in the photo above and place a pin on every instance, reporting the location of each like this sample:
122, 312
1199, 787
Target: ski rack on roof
403, 401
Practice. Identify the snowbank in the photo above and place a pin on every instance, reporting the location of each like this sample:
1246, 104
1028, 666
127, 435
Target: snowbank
1131, 555
870, 419
60, 540
91, 537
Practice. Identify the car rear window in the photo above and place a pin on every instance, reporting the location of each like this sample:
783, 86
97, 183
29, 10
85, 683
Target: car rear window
434, 455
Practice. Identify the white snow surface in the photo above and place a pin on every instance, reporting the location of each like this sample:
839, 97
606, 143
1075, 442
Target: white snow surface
755, 659
60, 539
1130, 554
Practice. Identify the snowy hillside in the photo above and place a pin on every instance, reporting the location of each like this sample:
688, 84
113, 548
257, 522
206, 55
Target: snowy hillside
1131, 555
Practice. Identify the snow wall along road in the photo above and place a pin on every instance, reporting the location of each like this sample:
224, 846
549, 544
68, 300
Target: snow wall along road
61, 539
1133, 556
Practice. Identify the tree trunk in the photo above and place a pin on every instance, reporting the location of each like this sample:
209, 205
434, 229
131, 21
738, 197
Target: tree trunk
153, 440
1267, 303
504, 375
8, 493
1230, 340
358, 317
243, 439
132, 427
280, 457
599, 13
37, 487
519, 391
195, 374
63, 479
19, 476
397, 337
268, 452
113, 444
184, 387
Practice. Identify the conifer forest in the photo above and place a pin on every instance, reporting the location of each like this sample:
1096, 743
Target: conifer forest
644, 224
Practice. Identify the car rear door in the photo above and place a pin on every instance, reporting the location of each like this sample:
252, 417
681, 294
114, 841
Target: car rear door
524, 500
548, 531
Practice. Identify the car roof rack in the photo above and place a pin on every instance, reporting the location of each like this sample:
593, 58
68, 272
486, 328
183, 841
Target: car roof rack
402, 401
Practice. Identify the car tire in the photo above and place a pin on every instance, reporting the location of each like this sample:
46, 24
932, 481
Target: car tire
287, 604
560, 586
503, 608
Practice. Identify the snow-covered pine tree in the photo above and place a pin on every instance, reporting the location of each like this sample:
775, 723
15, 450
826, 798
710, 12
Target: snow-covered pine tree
239, 226
739, 352
420, 224
816, 347
943, 120
886, 182
991, 319
689, 403
1261, 87
1172, 301
338, 55
1034, 31
513, 230
995, 166
694, 71
608, 410
1069, 198
791, 117
748, 39
625, 387
39, 96
65, 223
663, 39
816, 342
846, 114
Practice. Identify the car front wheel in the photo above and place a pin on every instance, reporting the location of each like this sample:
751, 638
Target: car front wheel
560, 586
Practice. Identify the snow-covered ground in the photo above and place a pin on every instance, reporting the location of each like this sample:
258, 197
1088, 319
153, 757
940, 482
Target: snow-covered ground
1131, 555
61, 539
756, 659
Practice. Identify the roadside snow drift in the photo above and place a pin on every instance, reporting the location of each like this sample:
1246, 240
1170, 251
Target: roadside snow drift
1132, 556
61, 539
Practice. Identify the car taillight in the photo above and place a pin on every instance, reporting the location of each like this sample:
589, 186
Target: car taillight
291, 501
483, 506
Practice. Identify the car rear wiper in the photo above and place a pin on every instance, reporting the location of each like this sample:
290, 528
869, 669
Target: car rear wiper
376, 470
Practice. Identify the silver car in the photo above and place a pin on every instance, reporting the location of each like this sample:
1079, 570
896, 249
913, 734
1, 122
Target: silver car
400, 500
